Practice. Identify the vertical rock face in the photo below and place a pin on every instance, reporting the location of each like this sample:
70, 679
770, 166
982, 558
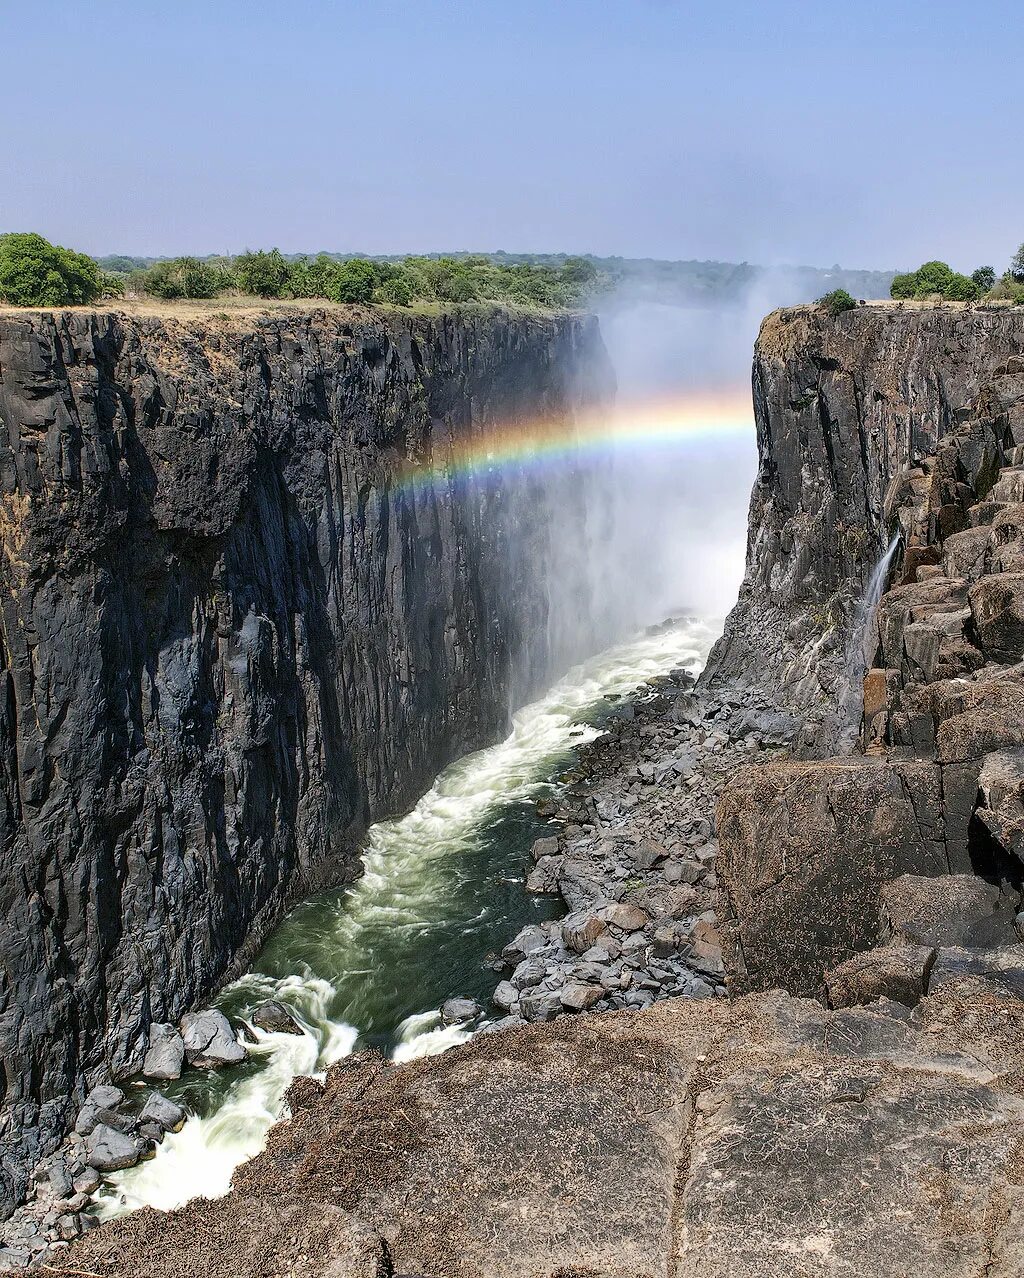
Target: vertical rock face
884, 419
235, 632
844, 407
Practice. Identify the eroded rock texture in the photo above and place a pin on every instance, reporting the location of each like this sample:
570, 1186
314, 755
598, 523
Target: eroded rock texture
767, 1138
919, 430
846, 408
235, 632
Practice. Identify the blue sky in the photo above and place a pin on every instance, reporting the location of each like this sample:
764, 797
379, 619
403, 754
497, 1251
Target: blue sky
871, 134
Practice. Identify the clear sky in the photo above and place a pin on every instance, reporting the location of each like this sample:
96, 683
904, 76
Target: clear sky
861, 132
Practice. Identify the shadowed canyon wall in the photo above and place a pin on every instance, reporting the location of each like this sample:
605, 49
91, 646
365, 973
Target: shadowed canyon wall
233, 637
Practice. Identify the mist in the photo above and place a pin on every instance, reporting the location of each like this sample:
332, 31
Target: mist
667, 520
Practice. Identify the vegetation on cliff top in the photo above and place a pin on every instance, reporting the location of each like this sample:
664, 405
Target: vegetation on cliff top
34, 272
938, 279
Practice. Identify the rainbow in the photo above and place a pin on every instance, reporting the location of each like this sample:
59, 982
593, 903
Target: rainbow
628, 427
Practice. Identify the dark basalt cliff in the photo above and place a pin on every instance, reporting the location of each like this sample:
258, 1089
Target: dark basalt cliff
844, 407
233, 636
885, 420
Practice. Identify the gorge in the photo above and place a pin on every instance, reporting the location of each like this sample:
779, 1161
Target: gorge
859, 1094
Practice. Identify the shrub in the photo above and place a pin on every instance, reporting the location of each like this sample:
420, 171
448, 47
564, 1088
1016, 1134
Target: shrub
315, 277
985, 279
354, 281
837, 301
112, 284
34, 272
262, 274
935, 279
182, 277
397, 290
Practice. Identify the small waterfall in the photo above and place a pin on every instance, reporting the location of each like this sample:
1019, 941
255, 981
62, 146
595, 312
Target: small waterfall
861, 648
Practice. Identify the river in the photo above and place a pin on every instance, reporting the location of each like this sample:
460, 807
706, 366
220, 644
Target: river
369, 965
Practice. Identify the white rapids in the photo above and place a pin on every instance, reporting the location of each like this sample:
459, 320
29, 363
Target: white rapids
407, 866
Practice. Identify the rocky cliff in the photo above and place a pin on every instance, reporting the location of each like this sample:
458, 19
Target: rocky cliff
845, 407
885, 421
238, 625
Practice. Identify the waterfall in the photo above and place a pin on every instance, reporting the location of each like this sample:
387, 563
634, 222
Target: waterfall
861, 654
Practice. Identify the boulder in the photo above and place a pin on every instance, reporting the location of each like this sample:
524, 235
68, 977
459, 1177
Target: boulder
209, 1040
505, 996
1002, 968
459, 1011
158, 1109
166, 1054
539, 1005
630, 918
105, 1096
577, 996
952, 909
275, 1018
1001, 811
531, 939
547, 846
580, 930
804, 850
997, 606
531, 971
649, 854
899, 972
108, 1150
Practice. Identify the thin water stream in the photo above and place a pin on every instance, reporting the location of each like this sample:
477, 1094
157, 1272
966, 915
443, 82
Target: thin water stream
370, 964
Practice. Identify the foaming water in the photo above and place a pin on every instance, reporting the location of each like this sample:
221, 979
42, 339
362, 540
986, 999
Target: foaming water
369, 965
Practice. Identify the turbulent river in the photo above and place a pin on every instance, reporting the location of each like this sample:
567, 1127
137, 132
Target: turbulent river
370, 964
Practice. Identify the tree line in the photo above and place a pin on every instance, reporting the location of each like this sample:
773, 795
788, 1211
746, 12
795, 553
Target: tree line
938, 279
34, 272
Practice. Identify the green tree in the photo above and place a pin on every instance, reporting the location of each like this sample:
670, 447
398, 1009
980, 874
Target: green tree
837, 301
182, 277
935, 279
579, 271
1016, 271
34, 272
397, 290
354, 281
314, 278
262, 274
984, 278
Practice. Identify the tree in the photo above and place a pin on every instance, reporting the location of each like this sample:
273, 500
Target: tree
34, 272
316, 278
985, 278
262, 274
354, 281
837, 301
1016, 271
397, 290
181, 277
579, 270
935, 279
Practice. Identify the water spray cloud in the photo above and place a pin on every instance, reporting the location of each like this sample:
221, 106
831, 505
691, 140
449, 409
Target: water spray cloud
627, 428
